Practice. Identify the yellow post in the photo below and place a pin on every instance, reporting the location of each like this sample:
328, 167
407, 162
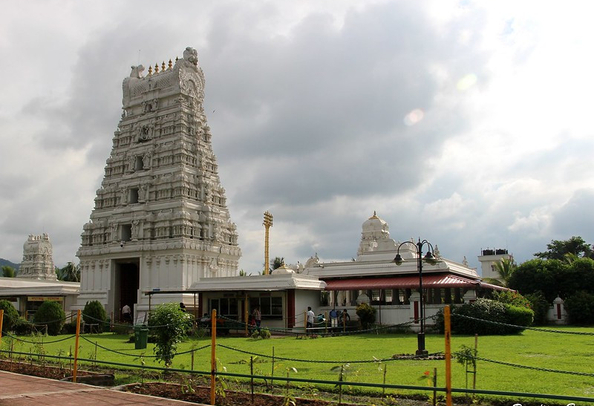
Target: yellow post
267, 224
246, 315
1, 325
448, 355
76, 346
213, 356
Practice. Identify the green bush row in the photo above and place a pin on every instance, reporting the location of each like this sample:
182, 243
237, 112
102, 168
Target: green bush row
487, 317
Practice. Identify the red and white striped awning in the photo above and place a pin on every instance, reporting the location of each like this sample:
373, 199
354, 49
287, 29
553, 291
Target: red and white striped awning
408, 282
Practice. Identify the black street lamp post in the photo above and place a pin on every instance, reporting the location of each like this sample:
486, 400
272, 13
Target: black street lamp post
429, 258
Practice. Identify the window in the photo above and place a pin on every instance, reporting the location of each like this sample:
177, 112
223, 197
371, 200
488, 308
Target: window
271, 307
126, 232
225, 306
139, 163
133, 195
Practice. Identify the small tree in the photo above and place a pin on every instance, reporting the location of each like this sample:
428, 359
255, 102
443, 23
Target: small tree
170, 326
52, 315
11, 316
366, 315
94, 313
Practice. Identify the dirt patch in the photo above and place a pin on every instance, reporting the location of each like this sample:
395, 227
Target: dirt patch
197, 389
201, 394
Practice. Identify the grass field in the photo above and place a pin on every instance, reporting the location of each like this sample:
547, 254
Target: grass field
565, 352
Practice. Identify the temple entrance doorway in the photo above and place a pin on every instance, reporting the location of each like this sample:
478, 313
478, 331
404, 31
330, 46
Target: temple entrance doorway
127, 281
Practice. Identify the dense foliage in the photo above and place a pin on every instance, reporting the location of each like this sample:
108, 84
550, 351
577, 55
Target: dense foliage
170, 325
94, 313
366, 315
560, 249
540, 307
11, 316
50, 314
580, 307
487, 317
552, 277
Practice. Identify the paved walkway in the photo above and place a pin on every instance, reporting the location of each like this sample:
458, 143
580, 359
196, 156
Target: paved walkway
24, 390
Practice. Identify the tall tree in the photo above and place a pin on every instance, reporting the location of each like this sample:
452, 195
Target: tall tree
8, 271
558, 249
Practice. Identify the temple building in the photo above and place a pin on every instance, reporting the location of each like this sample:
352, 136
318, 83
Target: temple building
160, 219
373, 277
36, 280
38, 262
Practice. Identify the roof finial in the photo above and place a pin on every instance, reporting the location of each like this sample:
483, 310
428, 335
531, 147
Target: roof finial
150, 71
163, 66
170, 64
156, 68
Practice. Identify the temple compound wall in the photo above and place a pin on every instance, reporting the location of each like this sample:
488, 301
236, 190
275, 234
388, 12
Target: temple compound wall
160, 219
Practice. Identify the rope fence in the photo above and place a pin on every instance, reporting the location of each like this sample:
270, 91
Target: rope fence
375, 329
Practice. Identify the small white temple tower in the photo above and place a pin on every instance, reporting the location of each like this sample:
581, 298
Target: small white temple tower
38, 262
160, 219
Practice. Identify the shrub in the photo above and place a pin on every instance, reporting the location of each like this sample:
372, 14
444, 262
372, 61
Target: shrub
94, 313
170, 326
10, 315
511, 298
23, 327
540, 307
485, 317
366, 315
518, 316
52, 315
264, 333
70, 327
580, 308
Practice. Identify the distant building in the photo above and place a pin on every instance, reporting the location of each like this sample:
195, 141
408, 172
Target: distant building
373, 277
38, 262
36, 281
160, 219
488, 259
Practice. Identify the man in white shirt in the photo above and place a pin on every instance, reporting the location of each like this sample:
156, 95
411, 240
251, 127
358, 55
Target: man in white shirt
311, 316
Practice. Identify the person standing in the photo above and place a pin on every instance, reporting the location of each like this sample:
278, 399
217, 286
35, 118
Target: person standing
311, 316
127, 314
333, 318
257, 317
345, 317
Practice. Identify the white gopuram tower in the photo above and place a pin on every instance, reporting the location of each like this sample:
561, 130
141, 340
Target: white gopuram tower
160, 220
38, 262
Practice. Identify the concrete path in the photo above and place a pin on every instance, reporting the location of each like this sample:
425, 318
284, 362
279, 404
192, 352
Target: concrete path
24, 390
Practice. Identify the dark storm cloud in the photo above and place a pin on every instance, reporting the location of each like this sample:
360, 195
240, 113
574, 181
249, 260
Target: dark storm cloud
323, 108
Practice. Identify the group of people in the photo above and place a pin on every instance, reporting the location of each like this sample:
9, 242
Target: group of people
334, 318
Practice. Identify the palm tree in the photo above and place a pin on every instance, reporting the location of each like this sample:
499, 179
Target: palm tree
505, 268
70, 273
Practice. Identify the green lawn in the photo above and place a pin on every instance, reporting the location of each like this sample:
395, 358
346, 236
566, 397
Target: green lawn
536, 349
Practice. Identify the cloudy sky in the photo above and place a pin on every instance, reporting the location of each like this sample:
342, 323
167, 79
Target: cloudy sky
461, 122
